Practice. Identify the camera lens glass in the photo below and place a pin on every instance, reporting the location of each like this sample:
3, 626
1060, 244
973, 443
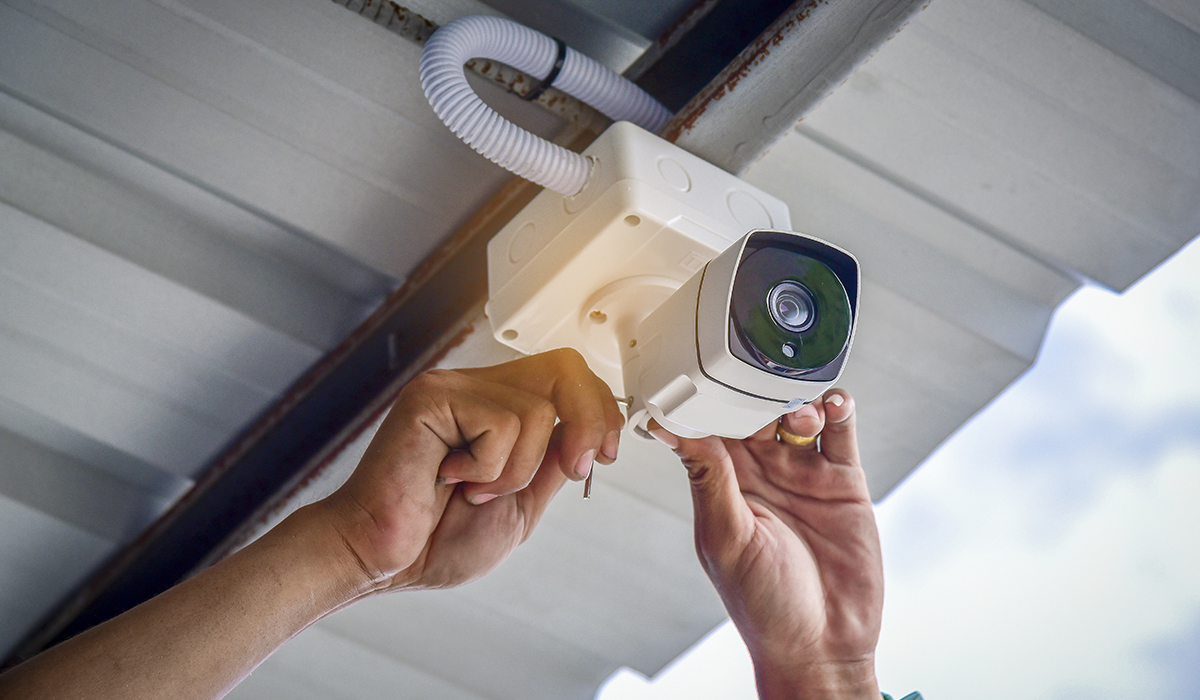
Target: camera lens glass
791, 306
788, 309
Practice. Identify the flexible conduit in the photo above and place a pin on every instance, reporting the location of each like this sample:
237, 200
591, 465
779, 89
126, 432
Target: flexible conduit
498, 139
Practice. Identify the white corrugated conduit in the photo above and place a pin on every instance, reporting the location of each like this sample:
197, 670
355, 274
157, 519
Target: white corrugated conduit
498, 139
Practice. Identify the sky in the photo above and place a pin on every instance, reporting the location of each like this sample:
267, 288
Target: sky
1050, 549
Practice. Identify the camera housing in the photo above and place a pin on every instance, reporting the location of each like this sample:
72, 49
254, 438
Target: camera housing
763, 329
587, 271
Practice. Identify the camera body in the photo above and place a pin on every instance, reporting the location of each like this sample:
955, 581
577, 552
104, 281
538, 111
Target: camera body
763, 329
639, 271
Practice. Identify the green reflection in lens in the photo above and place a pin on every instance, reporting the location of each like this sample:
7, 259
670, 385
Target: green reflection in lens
813, 348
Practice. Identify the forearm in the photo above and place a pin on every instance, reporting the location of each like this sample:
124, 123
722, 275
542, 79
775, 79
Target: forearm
199, 639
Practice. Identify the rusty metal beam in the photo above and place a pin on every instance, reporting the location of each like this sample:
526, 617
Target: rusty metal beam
703, 42
776, 80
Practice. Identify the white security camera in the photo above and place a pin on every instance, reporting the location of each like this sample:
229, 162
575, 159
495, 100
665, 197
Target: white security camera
761, 330
650, 274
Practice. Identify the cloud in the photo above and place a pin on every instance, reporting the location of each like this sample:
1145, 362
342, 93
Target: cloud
1000, 619
1177, 658
1050, 549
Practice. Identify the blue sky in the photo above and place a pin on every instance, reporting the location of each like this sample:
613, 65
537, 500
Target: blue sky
1050, 550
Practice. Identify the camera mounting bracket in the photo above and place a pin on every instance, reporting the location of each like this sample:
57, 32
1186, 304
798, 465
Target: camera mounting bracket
650, 216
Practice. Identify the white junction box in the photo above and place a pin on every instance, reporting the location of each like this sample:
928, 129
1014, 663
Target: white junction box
584, 271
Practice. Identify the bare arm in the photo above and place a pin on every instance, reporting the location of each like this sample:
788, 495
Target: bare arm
458, 475
202, 637
787, 535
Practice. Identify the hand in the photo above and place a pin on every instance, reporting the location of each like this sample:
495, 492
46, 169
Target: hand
787, 535
465, 464
405, 518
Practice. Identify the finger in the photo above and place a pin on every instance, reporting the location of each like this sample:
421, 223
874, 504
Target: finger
765, 433
723, 521
839, 439
484, 435
807, 422
397, 478
534, 499
612, 416
588, 412
535, 423
435, 416
585, 405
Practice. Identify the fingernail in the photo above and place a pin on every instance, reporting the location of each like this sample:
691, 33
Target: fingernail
449, 480
611, 442
482, 498
835, 399
665, 437
584, 466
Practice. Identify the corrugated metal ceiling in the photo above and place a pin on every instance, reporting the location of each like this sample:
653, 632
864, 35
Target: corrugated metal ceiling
198, 198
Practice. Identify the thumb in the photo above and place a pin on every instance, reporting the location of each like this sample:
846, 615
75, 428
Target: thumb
723, 521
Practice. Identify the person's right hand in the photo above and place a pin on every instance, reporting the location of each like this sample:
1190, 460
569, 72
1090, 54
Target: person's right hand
465, 464
787, 535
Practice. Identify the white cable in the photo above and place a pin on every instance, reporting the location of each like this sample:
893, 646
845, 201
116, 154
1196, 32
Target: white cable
498, 139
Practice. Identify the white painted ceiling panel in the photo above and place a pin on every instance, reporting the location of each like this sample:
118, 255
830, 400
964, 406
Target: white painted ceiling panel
168, 242
1185, 12
1093, 166
98, 452
158, 285
71, 393
111, 349
1151, 35
914, 247
468, 646
186, 222
185, 91
619, 551
910, 399
75, 492
322, 665
125, 295
39, 562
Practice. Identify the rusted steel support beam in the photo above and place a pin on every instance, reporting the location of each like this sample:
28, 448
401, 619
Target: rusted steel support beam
776, 80
697, 48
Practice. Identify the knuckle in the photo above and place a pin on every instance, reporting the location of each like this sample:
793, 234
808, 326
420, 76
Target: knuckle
508, 425
492, 471
570, 359
542, 411
432, 380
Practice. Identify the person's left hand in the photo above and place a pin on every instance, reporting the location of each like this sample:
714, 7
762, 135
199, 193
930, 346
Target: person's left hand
787, 535
465, 464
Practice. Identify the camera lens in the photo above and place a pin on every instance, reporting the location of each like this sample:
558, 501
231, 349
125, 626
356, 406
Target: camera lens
789, 312
791, 306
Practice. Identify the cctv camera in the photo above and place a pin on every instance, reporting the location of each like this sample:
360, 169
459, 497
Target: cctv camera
649, 273
762, 329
